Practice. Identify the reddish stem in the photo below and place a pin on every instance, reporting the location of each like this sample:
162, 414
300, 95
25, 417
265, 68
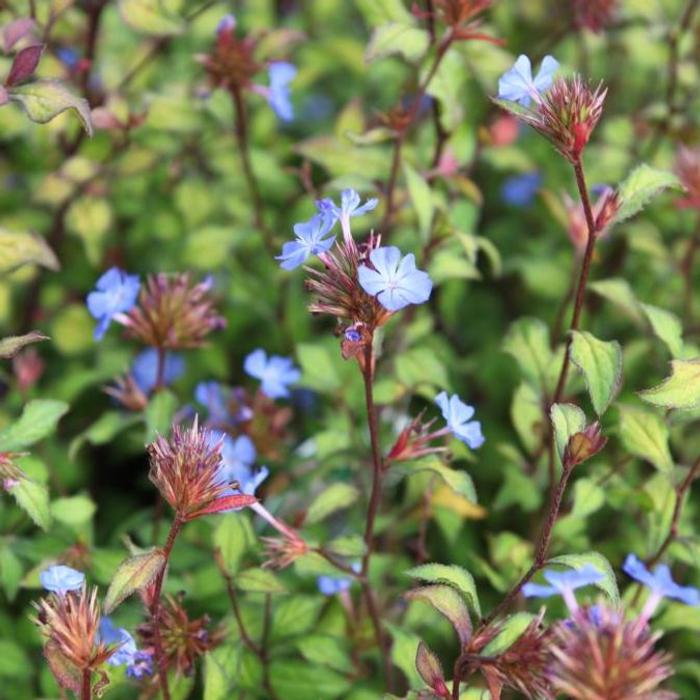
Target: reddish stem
86, 686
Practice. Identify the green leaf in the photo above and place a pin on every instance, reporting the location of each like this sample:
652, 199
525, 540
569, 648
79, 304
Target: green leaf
45, 99
233, 537
448, 603
73, 511
397, 38
404, 647
644, 434
642, 184
319, 371
429, 666
459, 481
39, 419
90, 219
567, 420
326, 650
295, 615
335, 497
588, 498
681, 390
452, 575
422, 199
259, 581
511, 630
347, 546
527, 341
420, 367
217, 684
10, 572
149, 17
601, 365
666, 326
17, 249
299, 680
133, 574
618, 291
608, 584
12, 344
103, 430
159, 414
33, 498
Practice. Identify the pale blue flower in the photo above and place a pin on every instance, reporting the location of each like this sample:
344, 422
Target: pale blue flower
109, 633
60, 579
330, 585
311, 239
145, 369
140, 665
518, 85
281, 74
275, 373
457, 415
211, 395
563, 582
226, 24
660, 581
394, 280
349, 206
520, 190
116, 292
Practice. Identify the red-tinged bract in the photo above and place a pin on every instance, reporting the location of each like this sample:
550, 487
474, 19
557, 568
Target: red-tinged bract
687, 167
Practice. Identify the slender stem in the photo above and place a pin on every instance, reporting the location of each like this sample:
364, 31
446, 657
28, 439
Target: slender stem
374, 501
391, 183
86, 686
155, 609
583, 276
241, 131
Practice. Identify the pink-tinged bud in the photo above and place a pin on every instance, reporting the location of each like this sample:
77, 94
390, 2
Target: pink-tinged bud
186, 470
597, 654
70, 624
10, 473
414, 441
504, 131
594, 14
231, 63
283, 551
687, 167
172, 312
605, 209
28, 368
127, 392
583, 446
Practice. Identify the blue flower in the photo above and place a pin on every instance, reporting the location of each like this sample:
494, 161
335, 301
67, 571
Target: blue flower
141, 665
518, 85
275, 373
311, 240
281, 74
563, 582
67, 56
660, 582
109, 633
349, 206
226, 24
116, 293
145, 369
237, 458
330, 585
60, 579
520, 190
395, 281
211, 395
457, 414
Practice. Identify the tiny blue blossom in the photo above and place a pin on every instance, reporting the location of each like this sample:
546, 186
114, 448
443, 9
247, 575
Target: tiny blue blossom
145, 369
311, 239
660, 581
60, 579
563, 582
226, 24
520, 190
275, 373
353, 335
349, 206
141, 665
67, 56
330, 585
518, 85
109, 633
211, 395
457, 415
281, 74
394, 280
116, 292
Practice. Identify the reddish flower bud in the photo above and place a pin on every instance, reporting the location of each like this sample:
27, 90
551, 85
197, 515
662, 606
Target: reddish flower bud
583, 446
283, 551
687, 167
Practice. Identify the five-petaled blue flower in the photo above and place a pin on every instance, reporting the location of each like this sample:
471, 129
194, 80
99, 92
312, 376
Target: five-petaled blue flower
237, 458
311, 239
211, 395
458, 415
349, 206
275, 373
395, 281
563, 583
109, 633
518, 85
116, 292
60, 579
660, 582
145, 369
520, 190
279, 95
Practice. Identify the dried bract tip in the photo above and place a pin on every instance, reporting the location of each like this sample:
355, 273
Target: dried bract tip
283, 551
173, 313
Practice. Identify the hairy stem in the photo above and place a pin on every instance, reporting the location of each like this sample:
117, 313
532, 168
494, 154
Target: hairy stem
86, 685
374, 501
155, 609
241, 131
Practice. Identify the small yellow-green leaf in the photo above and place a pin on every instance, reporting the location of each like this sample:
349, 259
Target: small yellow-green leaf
681, 390
39, 419
149, 17
527, 341
45, 99
335, 497
17, 249
645, 435
259, 581
73, 510
452, 575
601, 365
33, 498
133, 574
12, 344
642, 184
397, 38
666, 326
567, 420
422, 199
510, 631
449, 603
459, 481
608, 584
